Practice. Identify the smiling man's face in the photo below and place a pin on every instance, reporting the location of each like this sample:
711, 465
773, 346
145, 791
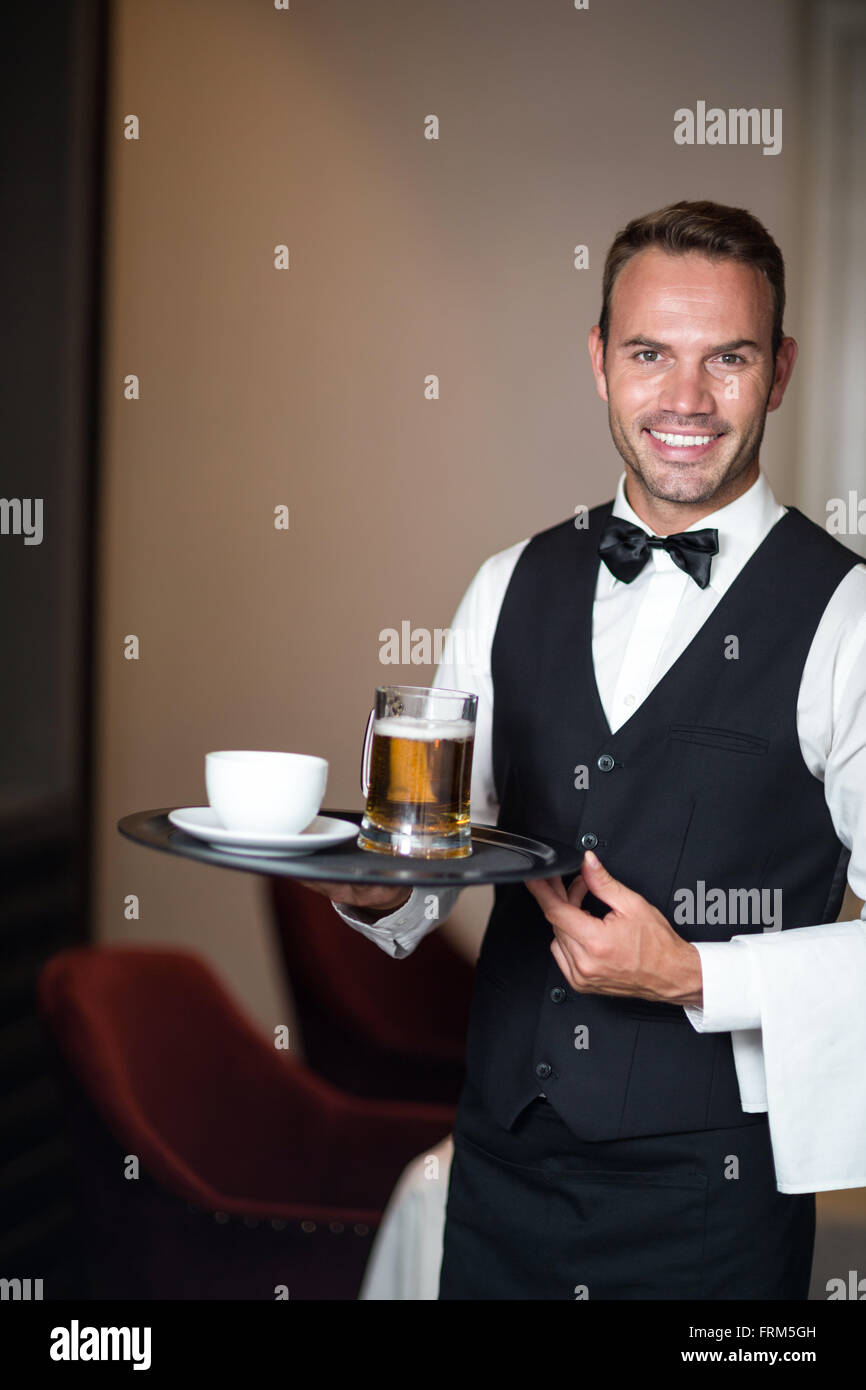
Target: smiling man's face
689, 377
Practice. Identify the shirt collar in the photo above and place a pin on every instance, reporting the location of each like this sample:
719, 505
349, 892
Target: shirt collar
742, 526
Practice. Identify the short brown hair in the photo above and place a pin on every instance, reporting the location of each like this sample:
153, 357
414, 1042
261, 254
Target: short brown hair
712, 229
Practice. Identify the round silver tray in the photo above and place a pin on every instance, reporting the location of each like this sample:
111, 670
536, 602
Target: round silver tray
497, 856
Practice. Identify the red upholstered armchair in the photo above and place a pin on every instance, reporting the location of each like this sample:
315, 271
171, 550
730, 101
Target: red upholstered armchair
254, 1173
373, 1025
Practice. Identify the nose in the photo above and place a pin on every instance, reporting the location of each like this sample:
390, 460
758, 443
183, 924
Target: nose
686, 392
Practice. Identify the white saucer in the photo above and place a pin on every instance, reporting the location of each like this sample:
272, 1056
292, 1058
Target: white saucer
201, 821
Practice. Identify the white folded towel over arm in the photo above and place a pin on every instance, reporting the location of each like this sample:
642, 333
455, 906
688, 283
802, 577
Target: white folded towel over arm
806, 1066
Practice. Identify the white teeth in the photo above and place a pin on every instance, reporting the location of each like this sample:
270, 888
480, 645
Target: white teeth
682, 441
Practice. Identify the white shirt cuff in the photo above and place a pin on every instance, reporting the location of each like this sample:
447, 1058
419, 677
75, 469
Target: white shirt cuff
399, 932
731, 997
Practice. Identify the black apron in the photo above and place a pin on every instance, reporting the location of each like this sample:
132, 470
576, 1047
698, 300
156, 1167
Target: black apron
535, 1213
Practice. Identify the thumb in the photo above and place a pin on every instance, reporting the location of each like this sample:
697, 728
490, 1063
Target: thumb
601, 884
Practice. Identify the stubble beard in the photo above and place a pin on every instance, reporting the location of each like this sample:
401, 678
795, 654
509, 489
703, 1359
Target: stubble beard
689, 483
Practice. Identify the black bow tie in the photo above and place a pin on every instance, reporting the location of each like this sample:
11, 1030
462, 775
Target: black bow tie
625, 550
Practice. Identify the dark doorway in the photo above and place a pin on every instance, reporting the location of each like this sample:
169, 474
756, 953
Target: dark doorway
52, 134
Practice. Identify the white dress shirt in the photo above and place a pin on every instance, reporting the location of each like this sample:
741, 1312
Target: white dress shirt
794, 1001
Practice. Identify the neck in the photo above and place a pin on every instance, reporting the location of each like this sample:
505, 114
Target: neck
665, 517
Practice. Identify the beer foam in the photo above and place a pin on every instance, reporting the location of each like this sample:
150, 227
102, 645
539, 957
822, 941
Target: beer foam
428, 730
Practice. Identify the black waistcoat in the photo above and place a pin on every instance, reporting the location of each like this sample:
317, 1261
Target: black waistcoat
705, 782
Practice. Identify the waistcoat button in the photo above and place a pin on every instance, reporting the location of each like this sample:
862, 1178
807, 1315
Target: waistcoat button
589, 840
557, 994
543, 1070
605, 763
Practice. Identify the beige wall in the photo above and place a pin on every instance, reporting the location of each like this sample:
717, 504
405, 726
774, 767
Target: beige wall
305, 387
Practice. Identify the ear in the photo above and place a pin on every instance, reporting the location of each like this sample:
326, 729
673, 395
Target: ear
785, 359
596, 357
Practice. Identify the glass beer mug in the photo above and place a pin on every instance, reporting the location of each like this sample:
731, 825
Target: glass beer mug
416, 772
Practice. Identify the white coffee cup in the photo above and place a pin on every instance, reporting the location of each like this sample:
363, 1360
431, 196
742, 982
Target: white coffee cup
275, 793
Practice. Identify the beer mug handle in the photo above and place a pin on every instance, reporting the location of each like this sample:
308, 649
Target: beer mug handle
365, 756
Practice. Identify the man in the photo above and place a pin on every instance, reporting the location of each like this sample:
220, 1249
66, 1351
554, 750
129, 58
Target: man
674, 680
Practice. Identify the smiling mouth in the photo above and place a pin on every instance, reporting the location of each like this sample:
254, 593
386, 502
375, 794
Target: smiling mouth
683, 441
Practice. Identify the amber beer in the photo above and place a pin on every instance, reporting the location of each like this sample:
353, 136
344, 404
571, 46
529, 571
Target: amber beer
420, 769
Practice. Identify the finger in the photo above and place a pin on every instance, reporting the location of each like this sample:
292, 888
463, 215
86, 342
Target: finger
578, 891
340, 893
567, 965
547, 892
317, 886
381, 897
572, 944
560, 957
337, 892
570, 921
371, 896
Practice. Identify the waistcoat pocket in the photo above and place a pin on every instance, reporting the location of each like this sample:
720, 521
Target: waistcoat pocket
712, 737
